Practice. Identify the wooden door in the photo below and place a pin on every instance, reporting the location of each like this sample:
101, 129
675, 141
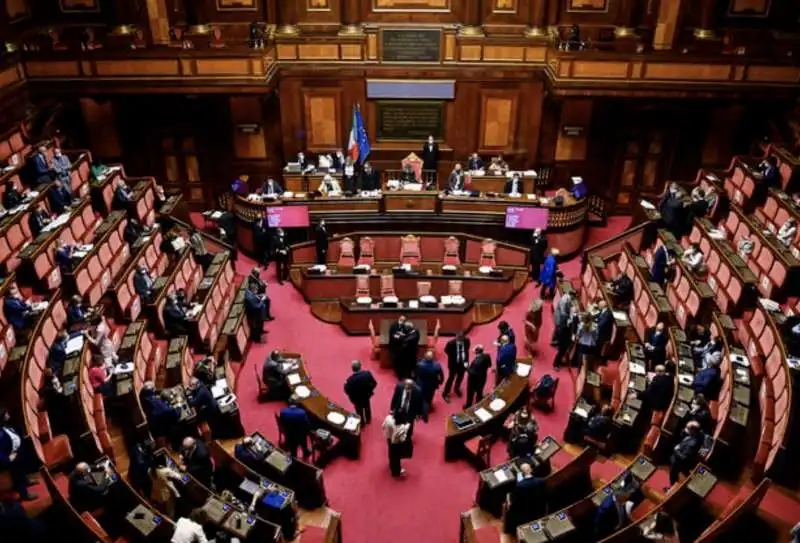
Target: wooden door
641, 163
182, 168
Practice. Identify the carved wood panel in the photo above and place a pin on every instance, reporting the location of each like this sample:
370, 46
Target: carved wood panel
322, 119
80, 6
236, 5
404, 5
16, 9
498, 119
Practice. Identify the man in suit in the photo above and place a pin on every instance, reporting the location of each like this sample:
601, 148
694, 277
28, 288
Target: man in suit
397, 332
477, 372
406, 404
16, 310
672, 212
254, 308
133, 230
605, 325
304, 162
475, 162
513, 185
456, 180
655, 349
370, 179
202, 400
254, 280
684, 455
63, 257
658, 394
280, 254
622, 290
162, 418
248, 455
85, 492
11, 196
196, 461
58, 353
429, 377
12, 456
770, 174
143, 283
123, 198
273, 377
612, 514
76, 314
37, 220
661, 261
41, 170
430, 157
360, 387
271, 188
505, 329
538, 253
62, 166
506, 358
528, 499
338, 160
457, 351
321, 242
60, 197
708, 381
175, 319
296, 427
408, 350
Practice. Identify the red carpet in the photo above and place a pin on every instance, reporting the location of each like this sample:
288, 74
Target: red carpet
425, 505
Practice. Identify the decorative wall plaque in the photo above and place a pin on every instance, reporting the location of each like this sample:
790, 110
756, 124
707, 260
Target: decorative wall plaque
410, 119
749, 8
411, 5
411, 45
587, 5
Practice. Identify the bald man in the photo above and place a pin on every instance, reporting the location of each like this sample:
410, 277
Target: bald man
658, 394
429, 377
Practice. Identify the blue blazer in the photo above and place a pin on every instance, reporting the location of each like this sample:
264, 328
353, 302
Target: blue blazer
659, 265
58, 200
506, 359
63, 260
707, 382
57, 356
429, 375
15, 311
606, 518
294, 421
605, 326
75, 315
548, 274
40, 163
246, 456
659, 342
203, 401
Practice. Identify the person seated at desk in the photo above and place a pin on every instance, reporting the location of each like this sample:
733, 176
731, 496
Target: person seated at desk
272, 375
429, 377
658, 393
578, 189
37, 220
305, 163
17, 311
787, 232
622, 290
456, 180
475, 163
271, 188
514, 185
40, 171
655, 349
296, 427
143, 283
599, 425
195, 460
202, 400
767, 170
85, 492
11, 197
524, 434
58, 352
76, 314
174, 315
123, 197
359, 387
62, 166
100, 377
708, 380
370, 179
201, 254
162, 418
60, 197
685, 454
528, 500
693, 258
246, 453
255, 309
613, 514
407, 176
204, 370
498, 166
99, 337
700, 412
13, 457
350, 181
329, 185
506, 359
699, 206
63, 257
708, 194
133, 230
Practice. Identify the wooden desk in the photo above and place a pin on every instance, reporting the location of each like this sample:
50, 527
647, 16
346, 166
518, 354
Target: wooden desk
513, 391
452, 319
405, 201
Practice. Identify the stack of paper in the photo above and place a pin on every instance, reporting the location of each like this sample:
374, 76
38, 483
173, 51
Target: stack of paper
293, 378
501, 476
75, 344
352, 424
523, 370
302, 392
483, 414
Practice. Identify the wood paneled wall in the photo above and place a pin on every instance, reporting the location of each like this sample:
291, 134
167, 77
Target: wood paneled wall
100, 119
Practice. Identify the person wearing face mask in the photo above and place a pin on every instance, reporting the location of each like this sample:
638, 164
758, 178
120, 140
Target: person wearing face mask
329, 185
271, 188
280, 254
538, 253
475, 163
430, 157
700, 413
456, 180
514, 185
321, 242
656, 347
62, 166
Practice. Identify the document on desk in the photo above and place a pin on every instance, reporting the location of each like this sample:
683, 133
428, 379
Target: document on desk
501, 476
523, 370
293, 378
497, 404
741, 360
581, 412
302, 392
352, 423
620, 315
647, 205
74, 345
637, 368
334, 417
483, 414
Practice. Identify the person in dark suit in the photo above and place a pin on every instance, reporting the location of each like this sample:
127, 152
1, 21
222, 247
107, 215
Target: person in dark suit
360, 387
708, 381
370, 179
321, 242
673, 215
477, 373
85, 492
430, 157
538, 253
658, 394
273, 377
622, 290
141, 455
254, 280
457, 351
271, 188
280, 254
123, 197
528, 499
660, 262
699, 206
406, 404
605, 325
58, 353
409, 345
701, 413
196, 461
162, 418
513, 185
655, 350
249, 455
16, 310
475, 162
11, 197
63, 257
261, 240
40, 169
76, 314
296, 427
429, 377
504, 329
456, 180
598, 426
133, 230
612, 514
770, 175
506, 359
59, 197
305, 162
339, 160
254, 309
397, 332
37, 220
143, 283
175, 320
62, 166
684, 455
202, 400
13, 457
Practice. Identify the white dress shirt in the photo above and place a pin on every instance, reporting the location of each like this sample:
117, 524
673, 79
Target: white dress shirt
187, 531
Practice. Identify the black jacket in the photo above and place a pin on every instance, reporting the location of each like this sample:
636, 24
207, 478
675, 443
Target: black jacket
360, 386
430, 156
451, 350
321, 238
658, 393
479, 367
538, 250
414, 403
198, 462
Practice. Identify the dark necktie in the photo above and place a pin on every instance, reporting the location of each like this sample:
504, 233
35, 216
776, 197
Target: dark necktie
460, 352
406, 402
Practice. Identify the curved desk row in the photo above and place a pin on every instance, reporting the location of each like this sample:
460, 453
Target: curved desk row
566, 225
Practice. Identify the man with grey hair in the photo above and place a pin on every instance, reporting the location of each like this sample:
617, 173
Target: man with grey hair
429, 377
360, 387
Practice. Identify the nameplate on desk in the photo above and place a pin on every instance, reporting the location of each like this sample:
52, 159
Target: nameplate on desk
411, 45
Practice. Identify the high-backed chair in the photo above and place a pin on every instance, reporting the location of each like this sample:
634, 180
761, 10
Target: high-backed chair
423, 288
387, 285
455, 287
366, 251
488, 250
362, 286
409, 250
451, 246
347, 257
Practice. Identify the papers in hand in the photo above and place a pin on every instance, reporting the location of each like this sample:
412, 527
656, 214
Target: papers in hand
352, 424
647, 205
39, 306
75, 344
497, 404
334, 417
523, 370
302, 391
793, 363
483, 414
293, 378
